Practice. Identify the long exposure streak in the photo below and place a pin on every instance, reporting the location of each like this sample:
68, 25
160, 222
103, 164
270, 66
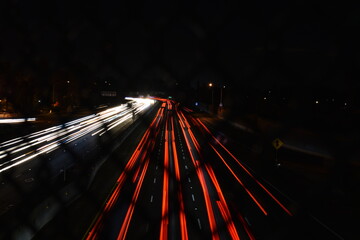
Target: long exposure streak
247, 171
96, 227
222, 205
183, 227
201, 178
126, 222
165, 196
241, 183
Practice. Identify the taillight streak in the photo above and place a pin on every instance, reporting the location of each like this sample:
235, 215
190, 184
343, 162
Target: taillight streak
200, 175
183, 227
96, 227
246, 227
165, 195
241, 183
130, 211
223, 206
247, 171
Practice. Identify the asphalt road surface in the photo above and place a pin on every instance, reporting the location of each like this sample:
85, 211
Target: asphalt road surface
180, 182
38, 165
183, 183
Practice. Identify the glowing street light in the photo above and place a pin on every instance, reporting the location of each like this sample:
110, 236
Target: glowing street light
212, 94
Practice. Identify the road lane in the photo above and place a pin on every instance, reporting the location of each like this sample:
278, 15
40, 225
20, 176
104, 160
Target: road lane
33, 168
183, 183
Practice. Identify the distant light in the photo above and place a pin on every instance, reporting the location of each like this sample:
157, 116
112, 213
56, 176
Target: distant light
333, 100
196, 103
317, 102
345, 104
223, 86
269, 91
210, 84
68, 81
264, 98
17, 120
39, 101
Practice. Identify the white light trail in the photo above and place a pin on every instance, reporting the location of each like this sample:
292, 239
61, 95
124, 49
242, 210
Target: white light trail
47, 140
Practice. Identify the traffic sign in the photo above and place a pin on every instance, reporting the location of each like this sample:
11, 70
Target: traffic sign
277, 143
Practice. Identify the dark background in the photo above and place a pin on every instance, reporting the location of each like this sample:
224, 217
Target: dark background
288, 67
293, 54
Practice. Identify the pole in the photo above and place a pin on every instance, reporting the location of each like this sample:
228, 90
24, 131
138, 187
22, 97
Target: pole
221, 97
220, 105
277, 164
53, 93
212, 96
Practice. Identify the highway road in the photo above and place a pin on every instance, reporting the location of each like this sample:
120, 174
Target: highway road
180, 182
32, 166
183, 183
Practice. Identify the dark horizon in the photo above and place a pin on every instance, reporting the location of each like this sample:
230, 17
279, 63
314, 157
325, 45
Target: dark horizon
291, 44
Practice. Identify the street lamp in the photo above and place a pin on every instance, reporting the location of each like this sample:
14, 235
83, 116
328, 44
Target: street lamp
212, 94
221, 95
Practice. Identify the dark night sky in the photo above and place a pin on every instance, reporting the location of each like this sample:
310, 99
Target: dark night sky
156, 44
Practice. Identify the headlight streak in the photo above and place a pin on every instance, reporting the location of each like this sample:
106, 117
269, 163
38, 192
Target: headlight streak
17, 120
10, 141
66, 133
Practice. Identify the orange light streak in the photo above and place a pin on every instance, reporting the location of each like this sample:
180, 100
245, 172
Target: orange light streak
136, 174
246, 226
183, 227
231, 227
207, 201
97, 225
165, 196
188, 110
247, 171
129, 213
241, 183
201, 178
224, 209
